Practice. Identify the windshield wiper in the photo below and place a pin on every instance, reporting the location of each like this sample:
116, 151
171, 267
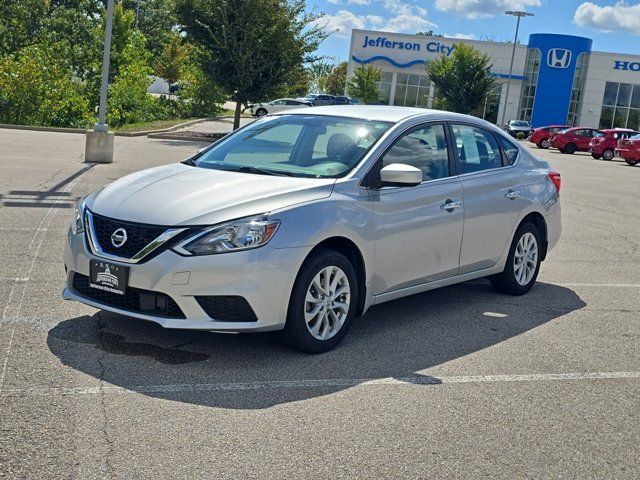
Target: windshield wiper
263, 171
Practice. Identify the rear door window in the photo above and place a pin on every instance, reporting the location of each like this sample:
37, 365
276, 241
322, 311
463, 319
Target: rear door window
477, 149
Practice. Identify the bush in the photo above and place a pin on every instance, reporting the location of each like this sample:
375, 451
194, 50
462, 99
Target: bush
521, 135
38, 88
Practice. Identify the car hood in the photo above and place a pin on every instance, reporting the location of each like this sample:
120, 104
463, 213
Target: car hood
180, 194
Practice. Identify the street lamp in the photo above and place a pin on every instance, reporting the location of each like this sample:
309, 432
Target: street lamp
99, 141
518, 14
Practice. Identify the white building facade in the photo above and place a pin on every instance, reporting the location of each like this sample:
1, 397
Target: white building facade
556, 79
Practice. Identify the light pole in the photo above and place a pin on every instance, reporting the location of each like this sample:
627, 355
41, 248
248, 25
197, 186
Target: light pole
99, 142
518, 14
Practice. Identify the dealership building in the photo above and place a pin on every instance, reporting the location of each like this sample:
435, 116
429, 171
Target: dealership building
556, 79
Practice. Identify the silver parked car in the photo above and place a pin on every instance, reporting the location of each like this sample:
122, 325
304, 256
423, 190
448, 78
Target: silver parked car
301, 221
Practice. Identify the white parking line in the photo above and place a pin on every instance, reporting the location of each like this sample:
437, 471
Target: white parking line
320, 383
603, 285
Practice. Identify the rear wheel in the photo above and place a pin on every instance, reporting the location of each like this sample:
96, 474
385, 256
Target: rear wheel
261, 112
323, 302
608, 154
569, 148
544, 144
523, 263
633, 163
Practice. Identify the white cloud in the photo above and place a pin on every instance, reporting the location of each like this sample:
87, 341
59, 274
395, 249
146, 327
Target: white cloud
342, 23
461, 36
619, 17
335, 2
403, 17
484, 8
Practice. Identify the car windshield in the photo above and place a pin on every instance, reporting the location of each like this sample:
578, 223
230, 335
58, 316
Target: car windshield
564, 131
636, 137
519, 123
601, 134
296, 145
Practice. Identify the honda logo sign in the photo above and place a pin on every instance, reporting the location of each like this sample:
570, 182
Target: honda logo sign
559, 58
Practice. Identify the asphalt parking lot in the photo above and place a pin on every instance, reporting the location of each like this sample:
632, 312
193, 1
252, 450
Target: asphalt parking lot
455, 383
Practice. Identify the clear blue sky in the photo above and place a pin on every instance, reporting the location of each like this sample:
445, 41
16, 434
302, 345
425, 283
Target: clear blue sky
613, 25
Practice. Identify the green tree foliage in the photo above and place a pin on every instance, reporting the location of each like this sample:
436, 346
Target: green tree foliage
317, 73
199, 95
20, 23
128, 101
36, 88
251, 47
156, 20
337, 79
171, 62
364, 84
462, 80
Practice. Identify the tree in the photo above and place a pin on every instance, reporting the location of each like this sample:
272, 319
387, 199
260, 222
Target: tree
317, 74
155, 19
20, 23
171, 62
337, 79
364, 84
251, 48
462, 80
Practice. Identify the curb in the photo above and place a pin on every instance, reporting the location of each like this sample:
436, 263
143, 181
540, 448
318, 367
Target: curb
168, 136
117, 134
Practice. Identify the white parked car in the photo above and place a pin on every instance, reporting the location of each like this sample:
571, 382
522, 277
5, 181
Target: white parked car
279, 105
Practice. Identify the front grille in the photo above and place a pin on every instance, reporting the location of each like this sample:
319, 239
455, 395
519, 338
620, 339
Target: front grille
227, 308
139, 235
135, 300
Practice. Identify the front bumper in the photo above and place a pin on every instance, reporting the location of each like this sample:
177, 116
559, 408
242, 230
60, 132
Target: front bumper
263, 276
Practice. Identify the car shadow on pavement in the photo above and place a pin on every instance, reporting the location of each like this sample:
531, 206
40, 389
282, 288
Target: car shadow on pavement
395, 340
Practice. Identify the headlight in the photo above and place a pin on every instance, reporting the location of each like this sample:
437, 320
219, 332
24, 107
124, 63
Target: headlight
77, 225
241, 234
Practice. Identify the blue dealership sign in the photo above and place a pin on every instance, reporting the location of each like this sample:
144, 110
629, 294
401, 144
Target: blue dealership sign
559, 54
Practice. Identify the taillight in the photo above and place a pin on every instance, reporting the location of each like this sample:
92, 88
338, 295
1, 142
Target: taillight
556, 179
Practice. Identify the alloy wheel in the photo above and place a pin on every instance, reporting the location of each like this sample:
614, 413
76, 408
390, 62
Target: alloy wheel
327, 302
525, 259
545, 144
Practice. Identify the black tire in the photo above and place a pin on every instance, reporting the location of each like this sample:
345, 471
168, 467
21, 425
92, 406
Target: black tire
539, 144
506, 281
596, 156
608, 154
570, 148
296, 333
545, 144
261, 112
632, 163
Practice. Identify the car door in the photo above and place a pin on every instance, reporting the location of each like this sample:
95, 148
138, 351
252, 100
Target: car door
583, 138
491, 191
418, 230
277, 106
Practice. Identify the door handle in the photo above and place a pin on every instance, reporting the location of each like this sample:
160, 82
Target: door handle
512, 195
450, 205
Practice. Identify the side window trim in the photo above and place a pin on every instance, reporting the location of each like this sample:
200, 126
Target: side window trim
377, 166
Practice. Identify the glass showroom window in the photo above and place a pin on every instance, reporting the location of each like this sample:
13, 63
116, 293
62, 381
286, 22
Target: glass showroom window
621, 106
577, 90
411, 90
385, 87
531, 70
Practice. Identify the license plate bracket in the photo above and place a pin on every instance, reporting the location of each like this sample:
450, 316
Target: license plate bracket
108, 277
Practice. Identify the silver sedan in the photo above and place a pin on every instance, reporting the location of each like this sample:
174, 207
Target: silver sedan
302, 221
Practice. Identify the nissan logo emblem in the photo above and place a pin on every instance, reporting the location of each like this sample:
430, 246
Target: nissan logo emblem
119, 237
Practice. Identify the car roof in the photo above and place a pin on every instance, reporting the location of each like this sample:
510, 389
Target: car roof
383, 113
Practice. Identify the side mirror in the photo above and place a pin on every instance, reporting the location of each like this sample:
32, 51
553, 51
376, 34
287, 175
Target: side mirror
400, 175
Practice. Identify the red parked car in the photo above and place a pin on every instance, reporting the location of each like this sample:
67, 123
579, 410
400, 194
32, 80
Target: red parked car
629, 149
571, 140
604, 144
541, 135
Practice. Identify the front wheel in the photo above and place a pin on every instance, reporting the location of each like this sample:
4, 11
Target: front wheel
569, 148
523, 263
261, 112
323, 302
608, 154
596, 156
632, 163
544, 144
